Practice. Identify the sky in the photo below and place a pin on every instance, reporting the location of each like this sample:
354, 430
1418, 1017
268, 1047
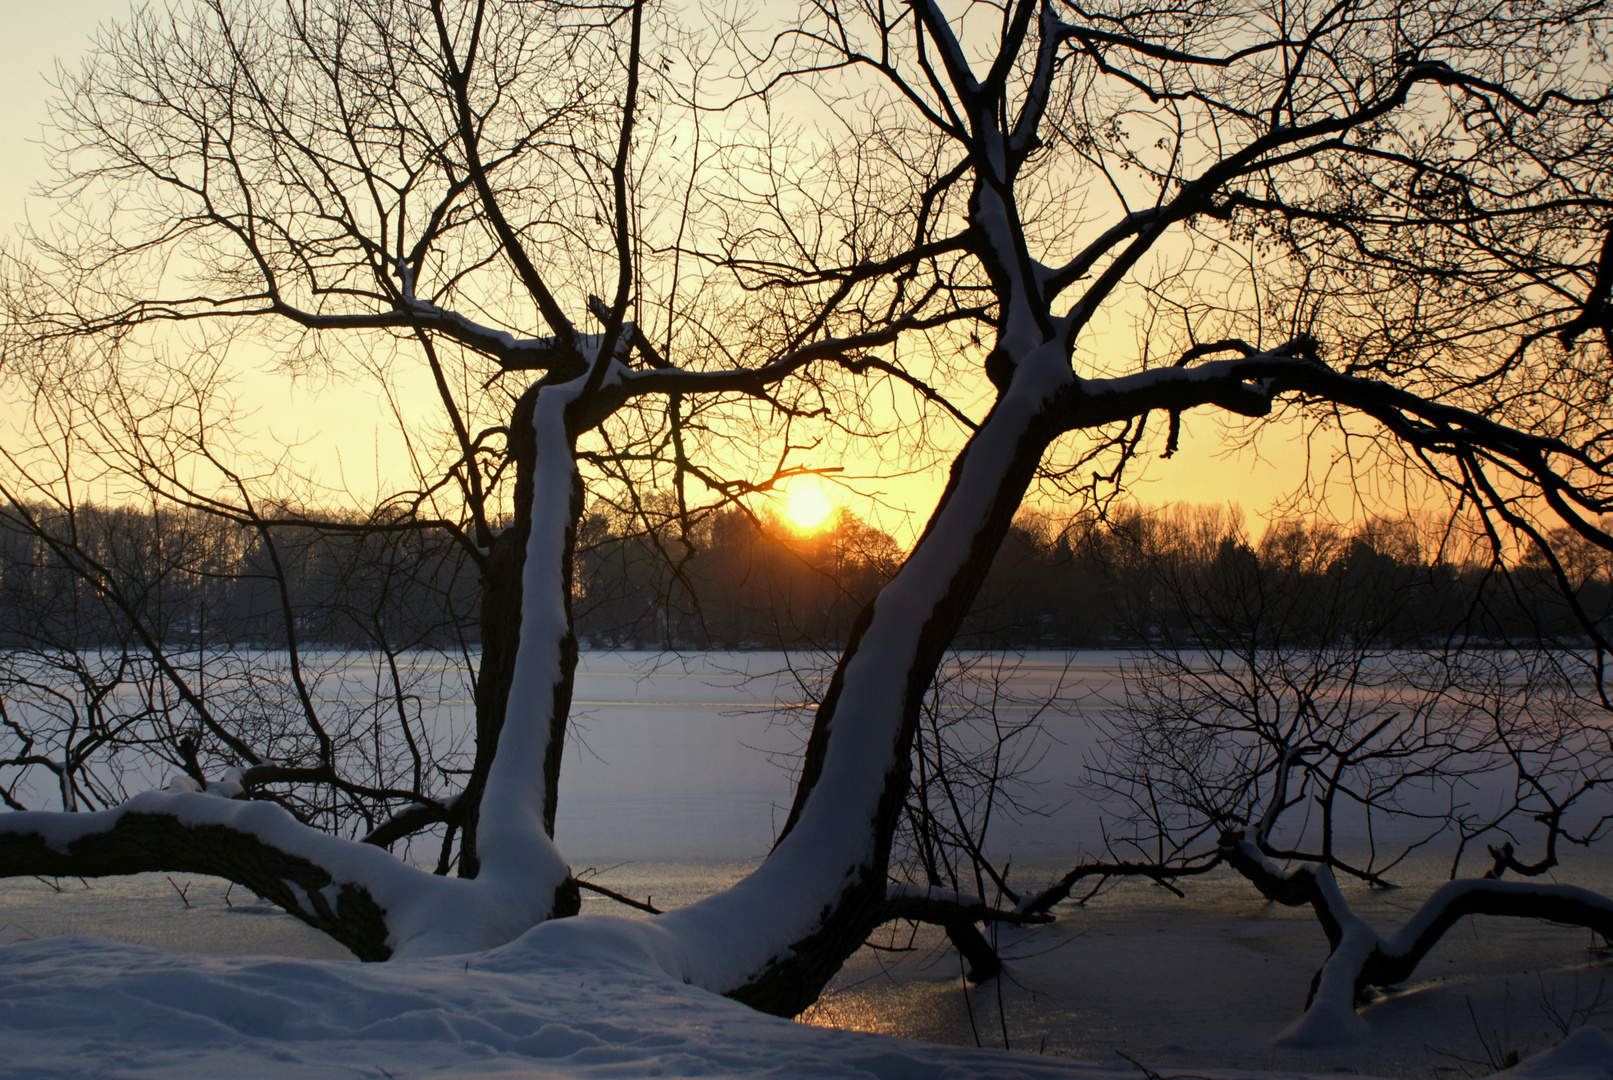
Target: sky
37, 35
346, 427
340, 431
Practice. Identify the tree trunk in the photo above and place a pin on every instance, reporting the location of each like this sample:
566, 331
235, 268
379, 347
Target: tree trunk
502, 599
776, 938
529, 660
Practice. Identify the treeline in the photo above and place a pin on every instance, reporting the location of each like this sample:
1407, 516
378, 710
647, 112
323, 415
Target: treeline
1193, 574
733, 580
102, 576
1140, 574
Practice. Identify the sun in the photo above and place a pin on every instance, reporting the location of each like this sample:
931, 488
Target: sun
806, 505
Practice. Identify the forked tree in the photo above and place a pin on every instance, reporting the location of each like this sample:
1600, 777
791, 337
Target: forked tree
1378, 216
1345, 703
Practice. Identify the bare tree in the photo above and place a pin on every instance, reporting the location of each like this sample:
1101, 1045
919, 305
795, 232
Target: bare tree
1328, 700
1021, 172
1253, 140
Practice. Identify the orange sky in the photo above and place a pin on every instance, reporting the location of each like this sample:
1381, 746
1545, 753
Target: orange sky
345, 432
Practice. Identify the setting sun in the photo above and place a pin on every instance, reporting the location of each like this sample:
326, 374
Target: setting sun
806, 505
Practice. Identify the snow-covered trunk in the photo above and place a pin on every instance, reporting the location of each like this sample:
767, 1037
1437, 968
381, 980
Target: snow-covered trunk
529, 660
551, 498
775, 938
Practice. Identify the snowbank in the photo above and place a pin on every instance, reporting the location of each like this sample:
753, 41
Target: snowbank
1587, 1054
586, 1002
586, 997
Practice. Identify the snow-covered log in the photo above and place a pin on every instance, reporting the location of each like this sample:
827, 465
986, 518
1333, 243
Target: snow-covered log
1359, 958
183, 832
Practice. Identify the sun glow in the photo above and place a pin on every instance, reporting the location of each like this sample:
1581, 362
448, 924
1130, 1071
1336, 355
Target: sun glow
806, 505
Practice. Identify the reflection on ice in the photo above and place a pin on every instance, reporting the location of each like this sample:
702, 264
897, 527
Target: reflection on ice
1211, 981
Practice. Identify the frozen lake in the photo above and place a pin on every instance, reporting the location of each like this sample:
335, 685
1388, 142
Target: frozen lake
668, 756
677, 778
691, 757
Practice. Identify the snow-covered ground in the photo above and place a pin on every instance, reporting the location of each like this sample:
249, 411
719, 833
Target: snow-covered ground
1180, 986
583, 998
575, 1000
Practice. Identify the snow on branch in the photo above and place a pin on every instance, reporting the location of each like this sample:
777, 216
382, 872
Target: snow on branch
333, 885
1052, 33
1360, 958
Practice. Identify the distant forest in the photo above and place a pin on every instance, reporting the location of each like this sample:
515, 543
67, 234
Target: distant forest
1087, 582
740, 581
